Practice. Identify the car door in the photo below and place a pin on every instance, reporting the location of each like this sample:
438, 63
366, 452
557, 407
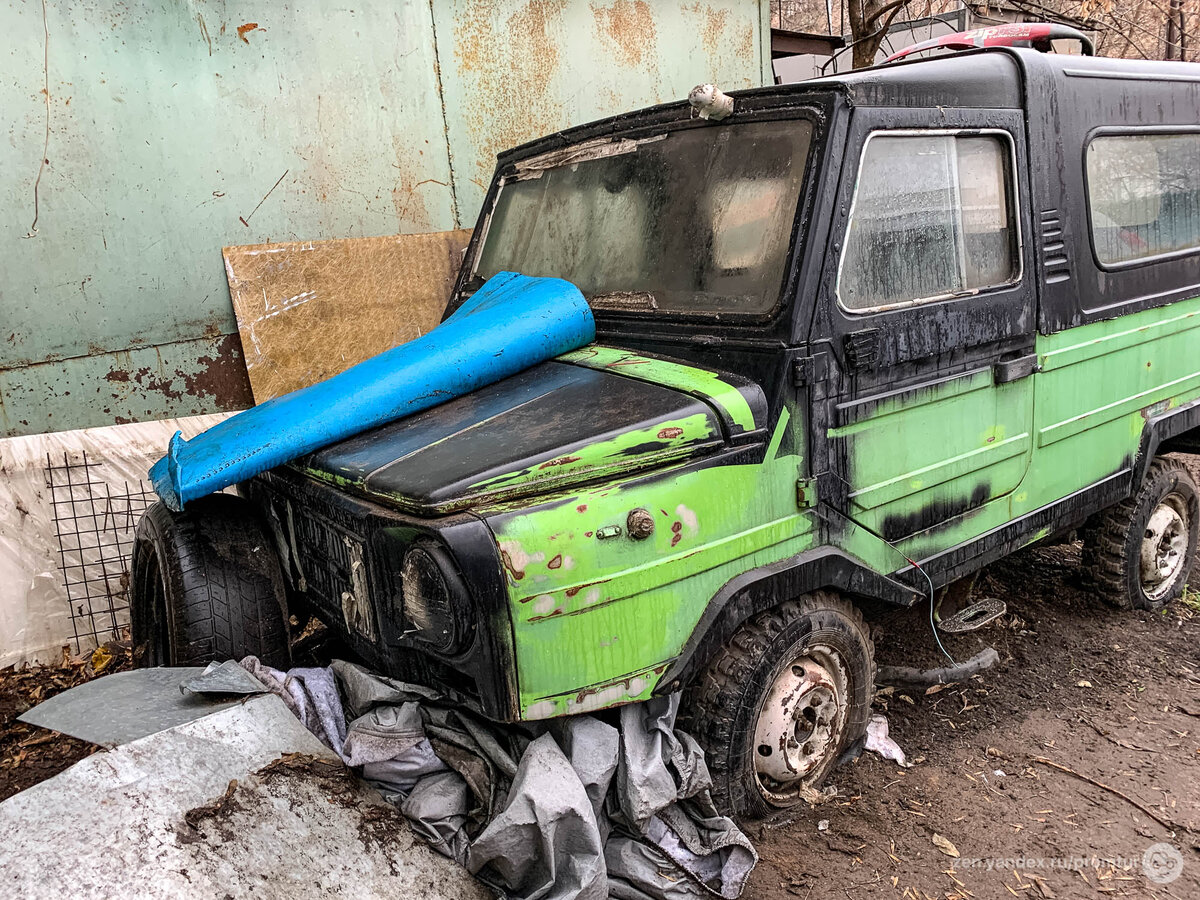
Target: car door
927, 313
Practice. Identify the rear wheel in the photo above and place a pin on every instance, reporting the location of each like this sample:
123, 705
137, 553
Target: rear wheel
1140, 551
782, 701
205, 584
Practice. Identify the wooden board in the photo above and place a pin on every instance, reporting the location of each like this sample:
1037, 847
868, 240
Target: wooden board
307, 310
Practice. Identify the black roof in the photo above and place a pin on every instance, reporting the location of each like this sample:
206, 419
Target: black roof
988, 78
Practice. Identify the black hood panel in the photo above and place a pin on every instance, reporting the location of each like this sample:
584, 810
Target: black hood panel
553, 425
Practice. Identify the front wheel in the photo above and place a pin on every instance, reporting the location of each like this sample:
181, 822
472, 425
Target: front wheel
206, 584
781, 702
1139, 552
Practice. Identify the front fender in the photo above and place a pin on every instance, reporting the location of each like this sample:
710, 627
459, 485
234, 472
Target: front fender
760, 589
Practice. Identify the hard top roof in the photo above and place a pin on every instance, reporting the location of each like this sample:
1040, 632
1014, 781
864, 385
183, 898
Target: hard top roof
992, 77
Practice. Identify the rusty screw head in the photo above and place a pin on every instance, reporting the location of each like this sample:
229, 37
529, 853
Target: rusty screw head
640, 524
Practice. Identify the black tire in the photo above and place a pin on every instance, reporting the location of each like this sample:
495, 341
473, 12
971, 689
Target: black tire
723, 707
1113, 540
205, 584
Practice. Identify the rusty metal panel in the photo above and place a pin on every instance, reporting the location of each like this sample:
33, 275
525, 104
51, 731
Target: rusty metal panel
513, 70
144, 137
136, 385
167, 132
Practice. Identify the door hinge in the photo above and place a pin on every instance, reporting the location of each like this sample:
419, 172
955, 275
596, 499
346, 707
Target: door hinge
806, 493
808, 370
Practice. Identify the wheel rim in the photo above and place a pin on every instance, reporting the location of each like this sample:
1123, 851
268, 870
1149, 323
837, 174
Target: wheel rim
800, 724
1164, 547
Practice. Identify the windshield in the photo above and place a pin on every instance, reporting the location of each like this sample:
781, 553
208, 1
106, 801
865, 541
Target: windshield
694, 221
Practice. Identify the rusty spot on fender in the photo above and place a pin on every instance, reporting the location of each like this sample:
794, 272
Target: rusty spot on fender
508, 564
555, 563
582, 507
667, 434
560, 461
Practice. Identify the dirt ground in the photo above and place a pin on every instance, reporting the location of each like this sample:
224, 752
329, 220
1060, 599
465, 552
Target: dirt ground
1112, 696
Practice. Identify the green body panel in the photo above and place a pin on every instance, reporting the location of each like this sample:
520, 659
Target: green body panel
597, 620
689, 379
1087, 411
961, 441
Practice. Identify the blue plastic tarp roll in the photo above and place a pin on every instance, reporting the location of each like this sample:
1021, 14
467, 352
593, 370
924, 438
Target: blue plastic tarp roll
511, 323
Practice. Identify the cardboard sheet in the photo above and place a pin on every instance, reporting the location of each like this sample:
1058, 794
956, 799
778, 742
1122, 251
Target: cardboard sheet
308, 310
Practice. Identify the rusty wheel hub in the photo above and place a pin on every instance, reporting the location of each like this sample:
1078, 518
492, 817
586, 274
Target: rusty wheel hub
801, 723
1164, 547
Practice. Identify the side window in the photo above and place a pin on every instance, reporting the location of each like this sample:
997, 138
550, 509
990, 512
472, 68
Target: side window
933, 217
1143, 195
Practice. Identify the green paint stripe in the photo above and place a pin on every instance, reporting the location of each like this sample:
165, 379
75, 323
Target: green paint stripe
780, 429
691, 380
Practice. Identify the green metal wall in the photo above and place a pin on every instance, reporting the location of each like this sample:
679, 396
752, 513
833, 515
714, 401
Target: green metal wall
164, 131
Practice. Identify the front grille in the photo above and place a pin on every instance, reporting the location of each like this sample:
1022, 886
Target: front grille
324, 550
330, 560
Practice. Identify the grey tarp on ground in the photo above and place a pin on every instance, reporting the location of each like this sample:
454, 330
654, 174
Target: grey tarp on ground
570, 808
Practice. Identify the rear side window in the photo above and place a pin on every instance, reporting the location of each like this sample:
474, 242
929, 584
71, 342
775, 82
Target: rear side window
933, 217
1144, 195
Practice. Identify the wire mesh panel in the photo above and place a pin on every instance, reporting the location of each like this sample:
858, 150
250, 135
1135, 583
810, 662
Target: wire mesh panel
94, 521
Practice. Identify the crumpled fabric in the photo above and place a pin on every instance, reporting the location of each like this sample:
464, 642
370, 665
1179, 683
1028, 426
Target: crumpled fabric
577, 808
312, 696
879, 742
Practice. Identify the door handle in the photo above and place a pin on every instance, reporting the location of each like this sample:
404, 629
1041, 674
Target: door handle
1015, 369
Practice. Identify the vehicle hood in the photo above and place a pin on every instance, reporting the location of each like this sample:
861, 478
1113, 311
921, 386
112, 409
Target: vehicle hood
594, 413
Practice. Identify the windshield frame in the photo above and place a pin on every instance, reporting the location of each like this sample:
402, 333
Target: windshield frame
810, 107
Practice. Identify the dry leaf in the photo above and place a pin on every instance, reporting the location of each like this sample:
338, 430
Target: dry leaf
944, 845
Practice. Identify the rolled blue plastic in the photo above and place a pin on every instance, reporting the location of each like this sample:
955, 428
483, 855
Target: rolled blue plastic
511, 323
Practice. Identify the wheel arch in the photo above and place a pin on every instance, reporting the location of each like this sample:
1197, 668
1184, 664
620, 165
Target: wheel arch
760, 589
1174, 430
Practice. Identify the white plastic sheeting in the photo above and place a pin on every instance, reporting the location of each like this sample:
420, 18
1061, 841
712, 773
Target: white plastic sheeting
69, 503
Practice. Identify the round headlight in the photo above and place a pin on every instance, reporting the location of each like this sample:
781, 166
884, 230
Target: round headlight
429, 599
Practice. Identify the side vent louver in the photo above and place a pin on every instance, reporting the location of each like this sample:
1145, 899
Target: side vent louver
1055, 265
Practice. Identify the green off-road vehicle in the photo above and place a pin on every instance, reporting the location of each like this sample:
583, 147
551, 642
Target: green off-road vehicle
856, 339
